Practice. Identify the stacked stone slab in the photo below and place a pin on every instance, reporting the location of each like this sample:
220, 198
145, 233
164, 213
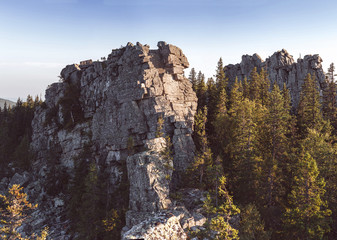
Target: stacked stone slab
281, 68
122, 98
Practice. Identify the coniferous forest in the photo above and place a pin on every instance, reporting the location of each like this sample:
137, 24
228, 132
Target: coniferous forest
279, 160
258, 156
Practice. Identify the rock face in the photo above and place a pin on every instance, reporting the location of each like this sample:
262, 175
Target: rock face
149, 176
281, 68
112, 108
123, 98
152, 214
160, 226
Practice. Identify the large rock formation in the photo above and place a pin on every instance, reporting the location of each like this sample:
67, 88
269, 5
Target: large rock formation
110, 110
281, 68
108, 113
121, 98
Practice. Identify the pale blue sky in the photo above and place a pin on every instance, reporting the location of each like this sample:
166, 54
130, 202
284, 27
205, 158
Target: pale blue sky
39, 37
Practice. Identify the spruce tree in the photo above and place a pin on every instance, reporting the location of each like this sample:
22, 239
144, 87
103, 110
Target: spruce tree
201, 91
309, 109
203, 157
90, 214
236, 96
264, 87
245, 88
331, 73
324, 150
272, 146
212, 102
219, 122
251, 224
221, 85
286, 98
193, 79
219, 224
307, 216
220, 75
330, 99
212, 98
23, 153
242, 148
254, 85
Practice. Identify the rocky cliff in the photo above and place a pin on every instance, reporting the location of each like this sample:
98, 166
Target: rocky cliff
118, 117
108, 112
281, 68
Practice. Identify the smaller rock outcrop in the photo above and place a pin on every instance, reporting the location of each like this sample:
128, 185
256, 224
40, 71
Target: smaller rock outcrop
149, 176
282, 69
152, 214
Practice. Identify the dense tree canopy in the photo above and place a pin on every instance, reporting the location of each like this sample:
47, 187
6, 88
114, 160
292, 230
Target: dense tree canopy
279, 159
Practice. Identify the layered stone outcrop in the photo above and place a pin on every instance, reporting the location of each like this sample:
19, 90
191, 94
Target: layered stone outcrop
121, 98
111, 109
281, 68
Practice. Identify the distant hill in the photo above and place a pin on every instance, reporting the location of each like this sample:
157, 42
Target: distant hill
3, 101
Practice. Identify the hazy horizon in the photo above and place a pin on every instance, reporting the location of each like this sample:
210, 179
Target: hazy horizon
40, 37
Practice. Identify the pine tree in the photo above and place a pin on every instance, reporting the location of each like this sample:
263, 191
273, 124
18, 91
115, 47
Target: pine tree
222, 103
272, 146
219, 121
88, 203
309, 109
264, 87
236, 96
320, 147
16, 132
331, 73
203, 158
259, 85
251, 224
77, 188
307, 215
330, 98
245, 88
254, 85
212, 100
193, 79
38, 101
23, 154
5, 136
220, 75
245, 118
14, 214
286, 98
224, 128
90, 215
220, 223
220, 78
201, 91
